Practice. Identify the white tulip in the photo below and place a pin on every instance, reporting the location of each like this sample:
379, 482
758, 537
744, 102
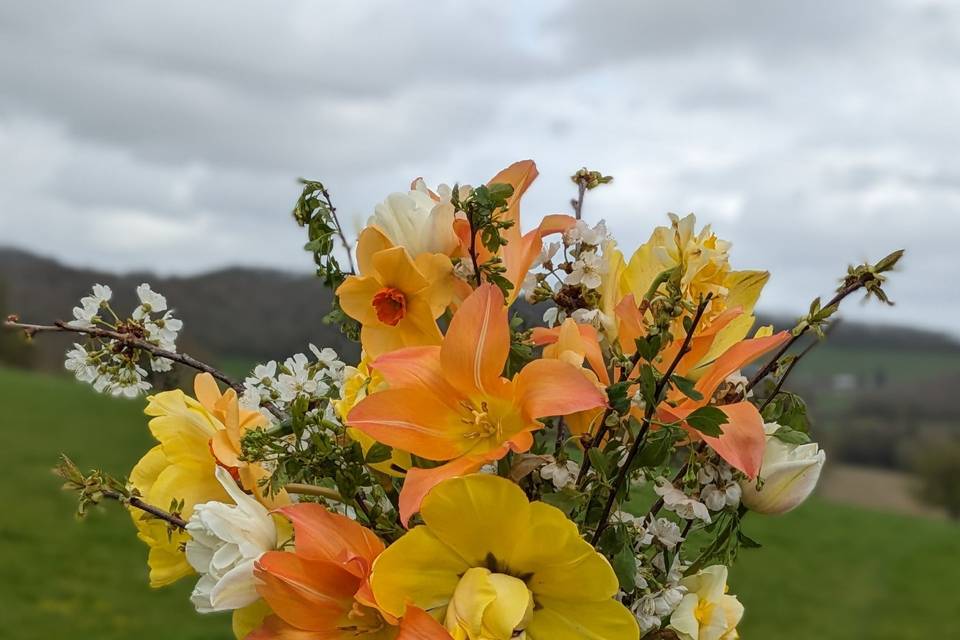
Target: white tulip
416, 222
788, 475
225, 542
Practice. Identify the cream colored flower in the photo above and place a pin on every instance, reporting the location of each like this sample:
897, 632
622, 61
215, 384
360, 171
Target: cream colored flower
706, 612
417, 222
788, 475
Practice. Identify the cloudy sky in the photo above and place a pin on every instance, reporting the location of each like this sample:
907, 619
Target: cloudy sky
168, 135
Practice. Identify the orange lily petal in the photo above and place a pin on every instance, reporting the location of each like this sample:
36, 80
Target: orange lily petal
330, 537
699, 345
629, 323
412, 420
743, 441
477, 343
309, 595
417, 624
733, 359
417, 367
419, 482
554, 388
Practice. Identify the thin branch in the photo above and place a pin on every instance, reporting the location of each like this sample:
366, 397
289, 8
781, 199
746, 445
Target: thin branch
336, 222
786, 373
766, 369
130, 340
639, 441
312, 490
578, 203
137, 503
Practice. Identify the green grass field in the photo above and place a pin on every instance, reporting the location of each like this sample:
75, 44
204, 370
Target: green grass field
827, 571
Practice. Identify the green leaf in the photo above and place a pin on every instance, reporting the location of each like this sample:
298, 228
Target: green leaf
624, 564
686, 387
707, 420
599, 462
648, 384
379, 452
791, 436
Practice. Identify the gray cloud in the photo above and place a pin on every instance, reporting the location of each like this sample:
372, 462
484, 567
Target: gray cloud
169, 136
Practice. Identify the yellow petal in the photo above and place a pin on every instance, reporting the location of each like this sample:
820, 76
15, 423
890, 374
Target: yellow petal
394, 268
249, 618
578, 620
481, 517
418, 569
372, 240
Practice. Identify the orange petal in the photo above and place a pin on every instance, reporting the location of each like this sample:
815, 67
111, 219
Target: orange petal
308, 595
273, 628
412, 420
356, 298
629, 324
417, 624
699, 345
417, 367
419, 482
519, 175
733, 359
554, 388
206, 390
477, 343
371, 241
329, 537
743, 440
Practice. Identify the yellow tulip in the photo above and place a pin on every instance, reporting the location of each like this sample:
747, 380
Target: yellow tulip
490, 565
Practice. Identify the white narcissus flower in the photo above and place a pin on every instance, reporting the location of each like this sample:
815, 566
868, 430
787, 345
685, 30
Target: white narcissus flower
788, 475
706, 612
417, 222
226, 541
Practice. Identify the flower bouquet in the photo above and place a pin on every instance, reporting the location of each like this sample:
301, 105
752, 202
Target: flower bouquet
478, 473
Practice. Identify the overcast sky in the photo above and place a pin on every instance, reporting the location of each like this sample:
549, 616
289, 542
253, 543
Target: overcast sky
168, 135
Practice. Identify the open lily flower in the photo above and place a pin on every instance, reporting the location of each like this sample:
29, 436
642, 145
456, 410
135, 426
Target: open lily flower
521, 249
182, 466
321, 589
742, 441
451, 403
395, 298
493, 566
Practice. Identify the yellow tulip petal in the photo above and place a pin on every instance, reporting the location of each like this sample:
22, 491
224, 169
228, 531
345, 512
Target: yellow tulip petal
419, 569
146, 471
553, 551
511, 608
578, 620
249, 618
481, 517
474, 593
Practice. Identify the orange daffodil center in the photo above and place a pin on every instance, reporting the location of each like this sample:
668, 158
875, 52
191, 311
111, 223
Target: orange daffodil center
391, 305
450, 402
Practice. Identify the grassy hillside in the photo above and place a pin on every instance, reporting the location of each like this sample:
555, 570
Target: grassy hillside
827, 571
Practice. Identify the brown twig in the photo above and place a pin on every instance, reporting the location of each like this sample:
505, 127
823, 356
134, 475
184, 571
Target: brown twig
130, 340
638, 442
578, 203
137, 503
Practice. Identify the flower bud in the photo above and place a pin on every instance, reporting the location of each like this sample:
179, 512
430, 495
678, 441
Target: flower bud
788, 475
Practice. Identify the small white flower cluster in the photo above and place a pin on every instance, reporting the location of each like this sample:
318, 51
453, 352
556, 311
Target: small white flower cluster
720, 487
560, 474
674, 499
110, 365
659, 602
282, 384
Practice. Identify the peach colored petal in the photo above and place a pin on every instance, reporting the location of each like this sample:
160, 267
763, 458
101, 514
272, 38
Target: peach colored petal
412, 420
629, 324
330, 537
733, 359
417, 367
308, 595
699, 345
372, 240
417, 624
743, 440
477, 342
554, 388
419, 482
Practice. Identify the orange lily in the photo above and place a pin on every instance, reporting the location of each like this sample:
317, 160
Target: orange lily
521, 249
742, 441
576, 343
395, 298
451, 403
321, 590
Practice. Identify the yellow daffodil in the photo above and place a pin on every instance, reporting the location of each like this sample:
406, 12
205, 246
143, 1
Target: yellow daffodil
706, 612
490, 565
396, 299
703, 260
181, 467
358, 382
